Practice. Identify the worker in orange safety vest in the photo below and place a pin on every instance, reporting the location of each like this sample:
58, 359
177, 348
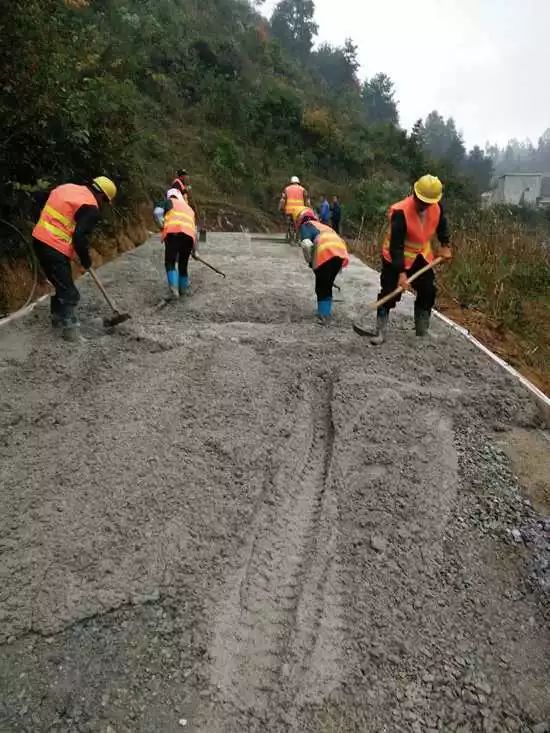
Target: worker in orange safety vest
179, 234
413, 223
326, 253
61, 234
294, 198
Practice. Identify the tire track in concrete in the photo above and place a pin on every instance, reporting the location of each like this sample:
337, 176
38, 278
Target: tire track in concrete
275, 640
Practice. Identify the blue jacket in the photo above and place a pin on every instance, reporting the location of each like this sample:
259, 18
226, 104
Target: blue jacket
324, 212
309, 231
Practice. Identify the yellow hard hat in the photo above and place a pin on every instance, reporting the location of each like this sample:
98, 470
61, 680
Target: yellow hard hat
429, 189
106, 186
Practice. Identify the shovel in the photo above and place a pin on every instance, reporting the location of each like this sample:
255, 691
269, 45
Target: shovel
117, 316
204, 262
376, 304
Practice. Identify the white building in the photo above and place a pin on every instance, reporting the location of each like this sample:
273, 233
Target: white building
526, 189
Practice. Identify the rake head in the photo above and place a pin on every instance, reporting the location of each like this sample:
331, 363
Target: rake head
115, 320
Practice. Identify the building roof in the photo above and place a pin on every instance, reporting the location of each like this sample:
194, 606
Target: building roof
525, 174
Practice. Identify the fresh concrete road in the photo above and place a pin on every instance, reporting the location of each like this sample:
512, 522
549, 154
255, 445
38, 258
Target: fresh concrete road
225, 517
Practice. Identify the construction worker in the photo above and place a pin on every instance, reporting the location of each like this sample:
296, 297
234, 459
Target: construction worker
293, 199
179, 234
326, 253
62, 232
413, 223
181, 181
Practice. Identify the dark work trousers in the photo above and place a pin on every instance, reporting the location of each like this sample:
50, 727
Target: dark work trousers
325, 277
424, 286
336, 225
177, 248
57, 268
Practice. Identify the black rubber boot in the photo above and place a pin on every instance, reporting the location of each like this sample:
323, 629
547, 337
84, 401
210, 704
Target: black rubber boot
56, 312
421, 321
382, 317
71, 326
71, 332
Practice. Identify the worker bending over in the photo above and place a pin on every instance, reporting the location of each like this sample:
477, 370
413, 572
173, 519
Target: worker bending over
179, 234
407, 247
326, 253
70, 214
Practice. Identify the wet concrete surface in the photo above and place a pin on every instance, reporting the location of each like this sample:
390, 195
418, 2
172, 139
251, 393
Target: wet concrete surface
224, 516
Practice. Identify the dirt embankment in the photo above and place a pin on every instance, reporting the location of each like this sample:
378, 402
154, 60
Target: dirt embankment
508, 345
17, 275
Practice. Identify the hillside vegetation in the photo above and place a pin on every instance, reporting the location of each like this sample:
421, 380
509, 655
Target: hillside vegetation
137, 88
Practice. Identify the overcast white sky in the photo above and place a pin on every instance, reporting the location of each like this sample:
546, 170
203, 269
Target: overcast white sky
484, 62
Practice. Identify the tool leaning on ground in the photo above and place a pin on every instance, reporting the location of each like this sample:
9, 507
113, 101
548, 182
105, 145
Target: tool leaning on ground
204, 262
117, 317
376, 304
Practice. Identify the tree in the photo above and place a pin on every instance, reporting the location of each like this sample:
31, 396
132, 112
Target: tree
456, 151
378, 100
543, 152
336, 66
417, 132
479, 167
441, 139
350, 52
520, 156
293, 25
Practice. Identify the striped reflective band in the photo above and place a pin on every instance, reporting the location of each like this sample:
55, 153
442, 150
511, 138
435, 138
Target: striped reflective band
53, 221
180, 216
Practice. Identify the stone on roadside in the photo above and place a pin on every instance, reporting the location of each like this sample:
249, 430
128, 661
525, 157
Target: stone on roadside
378, 543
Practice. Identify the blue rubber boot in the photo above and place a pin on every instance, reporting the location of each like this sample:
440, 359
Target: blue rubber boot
184, 284
324, 309
172, 277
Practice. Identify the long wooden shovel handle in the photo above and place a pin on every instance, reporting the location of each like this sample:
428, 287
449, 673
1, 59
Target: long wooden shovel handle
397, 291
204, 262
103, 291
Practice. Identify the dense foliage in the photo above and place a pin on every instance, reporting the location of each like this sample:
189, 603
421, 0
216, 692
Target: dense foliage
135, 88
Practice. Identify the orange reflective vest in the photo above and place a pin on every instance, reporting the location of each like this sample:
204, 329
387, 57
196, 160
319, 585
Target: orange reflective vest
420, 231
57, 222
328, 245
179, 220
295, 199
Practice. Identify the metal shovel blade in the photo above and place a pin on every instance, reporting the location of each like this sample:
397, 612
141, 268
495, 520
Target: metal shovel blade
361, 331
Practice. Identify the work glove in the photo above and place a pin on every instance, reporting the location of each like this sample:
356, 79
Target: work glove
307, 250
158, 216
445, 252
